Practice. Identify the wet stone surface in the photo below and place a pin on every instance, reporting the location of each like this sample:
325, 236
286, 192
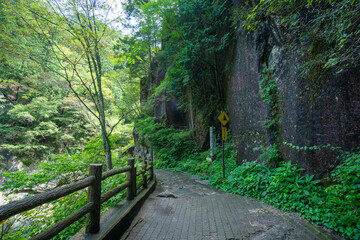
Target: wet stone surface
185, 207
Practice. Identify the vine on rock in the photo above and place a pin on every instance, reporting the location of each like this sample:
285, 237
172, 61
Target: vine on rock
327, 30
268, 92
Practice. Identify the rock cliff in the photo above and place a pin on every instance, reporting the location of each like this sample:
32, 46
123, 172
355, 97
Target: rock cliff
309, 112
306, 109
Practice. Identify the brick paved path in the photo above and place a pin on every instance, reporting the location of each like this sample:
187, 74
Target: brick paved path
201, 212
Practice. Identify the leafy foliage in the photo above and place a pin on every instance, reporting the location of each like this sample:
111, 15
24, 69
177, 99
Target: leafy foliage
177, 149
33, 131
54, 54
335, 206
269, 93
170, 145
60, 170
196, 65
315, 147
27, 67
268, 88
329, 30
194, 36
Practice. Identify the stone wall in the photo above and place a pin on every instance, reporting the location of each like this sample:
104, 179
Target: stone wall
311, 112
246, 108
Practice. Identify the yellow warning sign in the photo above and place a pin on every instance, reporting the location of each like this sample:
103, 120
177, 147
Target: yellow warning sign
224, 133
223, 118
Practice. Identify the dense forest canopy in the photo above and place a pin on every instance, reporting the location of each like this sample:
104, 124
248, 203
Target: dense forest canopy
59, 65
80, 79
68, 99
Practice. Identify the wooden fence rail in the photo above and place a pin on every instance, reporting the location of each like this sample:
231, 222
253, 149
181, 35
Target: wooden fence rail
94, 198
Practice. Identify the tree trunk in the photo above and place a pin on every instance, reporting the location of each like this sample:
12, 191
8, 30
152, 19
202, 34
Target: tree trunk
107, 150
104, 135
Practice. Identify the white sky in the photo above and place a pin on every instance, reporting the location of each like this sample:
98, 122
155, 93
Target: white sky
117, 14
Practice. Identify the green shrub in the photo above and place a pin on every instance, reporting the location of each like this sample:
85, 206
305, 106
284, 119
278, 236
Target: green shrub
335, 206
61, 169
341, 209
170, 145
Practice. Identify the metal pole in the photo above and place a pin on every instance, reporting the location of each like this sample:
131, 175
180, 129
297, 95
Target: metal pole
212, 143
223, 156
223, 159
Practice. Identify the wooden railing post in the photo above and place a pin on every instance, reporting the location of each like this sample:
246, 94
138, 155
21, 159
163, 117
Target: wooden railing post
151, 170
144, 167
131, 177
94, 196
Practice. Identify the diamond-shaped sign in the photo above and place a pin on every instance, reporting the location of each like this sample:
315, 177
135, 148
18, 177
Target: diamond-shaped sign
223, 118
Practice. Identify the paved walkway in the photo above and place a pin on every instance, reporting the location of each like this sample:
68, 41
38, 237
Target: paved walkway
186, 208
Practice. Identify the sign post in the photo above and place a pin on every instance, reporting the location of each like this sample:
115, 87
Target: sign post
224, 119
212, 143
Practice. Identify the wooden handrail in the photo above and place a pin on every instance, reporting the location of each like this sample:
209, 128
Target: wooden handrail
110, 173
28, 203
58, 227
114, 191
92, 208
140, 173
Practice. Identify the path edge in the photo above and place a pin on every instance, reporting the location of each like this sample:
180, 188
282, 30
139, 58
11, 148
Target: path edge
116, 221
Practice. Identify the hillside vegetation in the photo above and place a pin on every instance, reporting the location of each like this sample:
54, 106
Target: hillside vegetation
80, 82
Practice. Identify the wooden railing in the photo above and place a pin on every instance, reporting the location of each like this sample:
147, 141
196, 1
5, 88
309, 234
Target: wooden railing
94, 199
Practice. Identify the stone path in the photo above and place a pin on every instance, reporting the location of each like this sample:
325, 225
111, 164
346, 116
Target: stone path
186, 208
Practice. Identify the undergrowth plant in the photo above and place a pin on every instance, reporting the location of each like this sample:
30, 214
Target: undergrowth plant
336, 206
268, 91
171, 145
61, 169
36, 220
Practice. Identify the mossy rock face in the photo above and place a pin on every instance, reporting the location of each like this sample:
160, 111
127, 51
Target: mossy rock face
257, 138
317, 75
317, 107
319, 46
316, 79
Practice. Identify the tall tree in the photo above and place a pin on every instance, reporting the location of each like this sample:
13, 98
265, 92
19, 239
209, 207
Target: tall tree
81, 19
77, 33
